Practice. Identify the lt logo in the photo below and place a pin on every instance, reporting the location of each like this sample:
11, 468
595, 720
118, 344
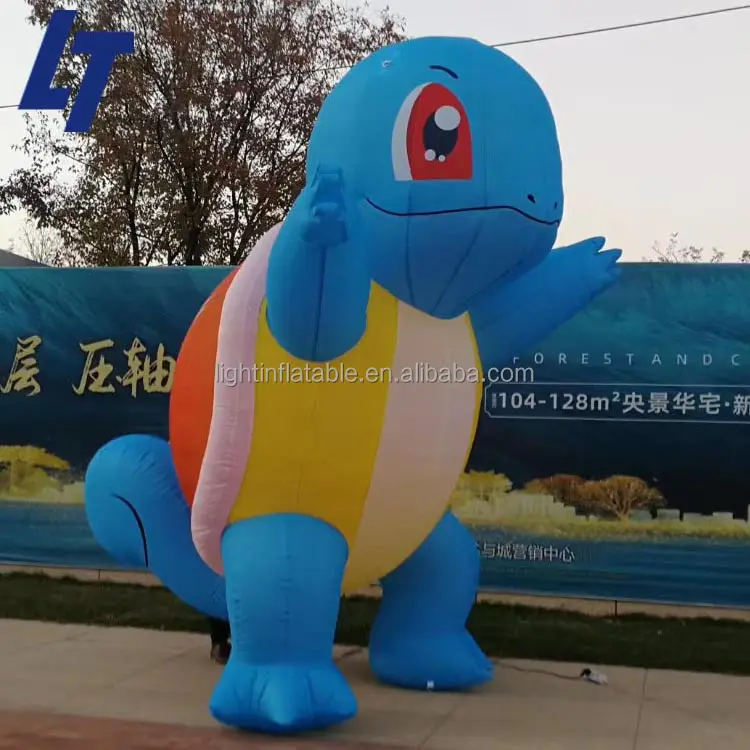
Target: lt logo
103, 48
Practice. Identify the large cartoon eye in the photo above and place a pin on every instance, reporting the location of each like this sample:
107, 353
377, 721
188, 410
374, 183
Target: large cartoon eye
432, 137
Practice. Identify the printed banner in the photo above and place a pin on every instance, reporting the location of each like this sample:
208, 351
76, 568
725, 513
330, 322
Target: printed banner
623, 464
85, 356
612, 466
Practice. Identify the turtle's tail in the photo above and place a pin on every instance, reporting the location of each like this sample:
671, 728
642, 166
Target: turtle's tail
138, 514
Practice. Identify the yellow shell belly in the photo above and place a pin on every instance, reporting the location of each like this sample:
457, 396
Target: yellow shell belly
375, 458
314, 443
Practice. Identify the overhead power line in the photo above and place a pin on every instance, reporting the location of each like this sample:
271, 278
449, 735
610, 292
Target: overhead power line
624, 26
584, 32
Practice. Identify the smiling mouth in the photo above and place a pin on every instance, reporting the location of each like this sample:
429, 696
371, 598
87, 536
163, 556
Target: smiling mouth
554, 222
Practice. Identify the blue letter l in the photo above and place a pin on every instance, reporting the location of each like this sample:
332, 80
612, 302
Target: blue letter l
39, 92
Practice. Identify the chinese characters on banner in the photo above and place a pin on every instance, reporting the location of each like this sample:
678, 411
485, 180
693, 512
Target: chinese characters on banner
684, 403
525, 552
661, 403
25, 368
144, 372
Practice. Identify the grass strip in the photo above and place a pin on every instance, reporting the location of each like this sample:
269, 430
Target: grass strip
502, 630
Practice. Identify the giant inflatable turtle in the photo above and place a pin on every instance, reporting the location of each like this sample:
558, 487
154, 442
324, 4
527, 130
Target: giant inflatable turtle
424, 236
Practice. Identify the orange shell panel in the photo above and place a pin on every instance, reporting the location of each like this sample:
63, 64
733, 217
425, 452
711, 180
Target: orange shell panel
192, 398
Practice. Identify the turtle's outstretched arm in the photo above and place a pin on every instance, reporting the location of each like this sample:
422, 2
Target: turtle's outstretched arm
318, 283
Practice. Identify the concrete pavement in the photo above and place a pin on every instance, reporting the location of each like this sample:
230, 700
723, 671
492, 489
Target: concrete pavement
55, 674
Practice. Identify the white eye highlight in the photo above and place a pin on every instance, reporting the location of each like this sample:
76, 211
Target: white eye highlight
447, 118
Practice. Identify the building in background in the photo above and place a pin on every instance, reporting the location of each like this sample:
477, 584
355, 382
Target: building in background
11, 260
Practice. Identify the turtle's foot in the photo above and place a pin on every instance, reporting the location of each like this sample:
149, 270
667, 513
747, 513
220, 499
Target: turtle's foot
282, 698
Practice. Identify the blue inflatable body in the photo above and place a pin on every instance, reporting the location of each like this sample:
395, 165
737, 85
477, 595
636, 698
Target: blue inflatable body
137, 512
434, 190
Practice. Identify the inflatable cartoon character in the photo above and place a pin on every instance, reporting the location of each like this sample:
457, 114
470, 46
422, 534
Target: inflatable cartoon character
423, 237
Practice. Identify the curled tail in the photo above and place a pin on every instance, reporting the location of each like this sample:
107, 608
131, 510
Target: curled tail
138, 514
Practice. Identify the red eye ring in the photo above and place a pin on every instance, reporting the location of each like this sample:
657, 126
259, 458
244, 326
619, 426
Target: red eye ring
432, 137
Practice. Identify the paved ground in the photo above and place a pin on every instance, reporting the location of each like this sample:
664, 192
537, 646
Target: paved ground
55, 677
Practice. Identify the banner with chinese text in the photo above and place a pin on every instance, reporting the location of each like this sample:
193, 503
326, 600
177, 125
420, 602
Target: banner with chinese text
622, 466
85, 356
614, 466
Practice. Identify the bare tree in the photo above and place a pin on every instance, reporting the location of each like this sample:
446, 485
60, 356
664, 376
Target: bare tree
199, 145
673, 252
42, 244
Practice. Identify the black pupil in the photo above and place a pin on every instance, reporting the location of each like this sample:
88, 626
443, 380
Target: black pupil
439, 142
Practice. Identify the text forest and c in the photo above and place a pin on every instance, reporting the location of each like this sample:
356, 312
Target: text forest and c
144, 372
